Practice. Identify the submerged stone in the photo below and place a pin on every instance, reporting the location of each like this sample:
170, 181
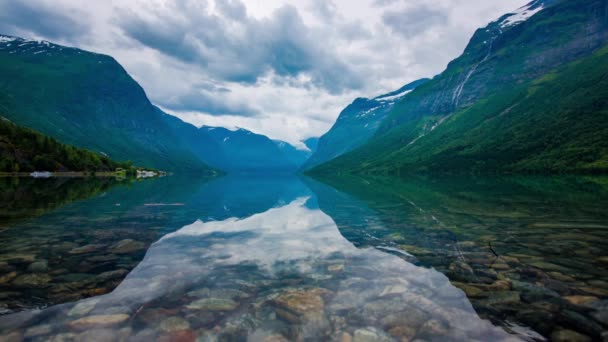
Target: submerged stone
564, 335
213, 304
580, 300
34, 280
83, 307
370, 335
127, 246
39, 266
5, 278
86, 249
173, 324
98, 320
502, 297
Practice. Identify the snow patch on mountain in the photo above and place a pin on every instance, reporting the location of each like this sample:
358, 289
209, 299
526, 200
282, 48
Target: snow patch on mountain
7, 39
393, 97
522, 14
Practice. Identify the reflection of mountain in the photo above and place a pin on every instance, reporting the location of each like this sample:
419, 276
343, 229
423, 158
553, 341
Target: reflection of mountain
510, 243
286, 273
22, 198
82, 241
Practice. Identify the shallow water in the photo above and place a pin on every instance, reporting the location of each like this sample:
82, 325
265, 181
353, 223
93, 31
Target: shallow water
277, 259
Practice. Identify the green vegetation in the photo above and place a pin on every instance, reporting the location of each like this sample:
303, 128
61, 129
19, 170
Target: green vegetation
24, 198
88, 100
25, 150
555, 124
536, 101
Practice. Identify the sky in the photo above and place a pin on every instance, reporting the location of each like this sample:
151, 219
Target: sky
283, 68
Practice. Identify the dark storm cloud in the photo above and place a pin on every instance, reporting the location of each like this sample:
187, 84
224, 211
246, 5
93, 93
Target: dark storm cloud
40, 18
232, 46
410, 22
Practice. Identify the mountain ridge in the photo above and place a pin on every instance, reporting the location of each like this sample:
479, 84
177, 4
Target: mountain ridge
356, 124
89, 100
496, 61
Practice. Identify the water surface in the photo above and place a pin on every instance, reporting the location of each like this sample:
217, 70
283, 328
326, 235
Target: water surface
271, 259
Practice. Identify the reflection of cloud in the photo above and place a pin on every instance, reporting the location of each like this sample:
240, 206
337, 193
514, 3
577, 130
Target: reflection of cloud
253, 255
292, 232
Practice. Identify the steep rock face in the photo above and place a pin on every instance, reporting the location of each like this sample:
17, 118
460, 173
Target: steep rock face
499, 68
356, 124
87, 100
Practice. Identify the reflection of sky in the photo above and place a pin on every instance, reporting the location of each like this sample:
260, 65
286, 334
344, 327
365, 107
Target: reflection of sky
299, 239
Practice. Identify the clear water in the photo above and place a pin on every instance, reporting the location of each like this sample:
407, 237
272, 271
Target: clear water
275, 259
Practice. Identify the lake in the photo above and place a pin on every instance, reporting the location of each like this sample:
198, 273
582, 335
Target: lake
289, 258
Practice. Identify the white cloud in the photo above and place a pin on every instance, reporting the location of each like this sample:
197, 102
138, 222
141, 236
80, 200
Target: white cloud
277, 67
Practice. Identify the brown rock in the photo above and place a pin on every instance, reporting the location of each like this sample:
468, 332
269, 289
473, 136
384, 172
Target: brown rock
8, 277
85, 249
179, 336
580, 300
12, 337
173, 324
98, 320
127, 246
302, 302
403, 333
564, 335
346, 337
32, 280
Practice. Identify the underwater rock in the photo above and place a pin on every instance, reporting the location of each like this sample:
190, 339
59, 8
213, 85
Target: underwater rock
173, 324
564, 335
33, 280
502, 297
213, 304
580, 300
531, 292
98, 320
86, 249
39, 266
83, 307
8, 277
370, 335
38, 330
111, 275
127, 246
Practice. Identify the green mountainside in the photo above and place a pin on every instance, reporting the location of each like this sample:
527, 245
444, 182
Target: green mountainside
87, 100
529, 96
25, 150
356, 124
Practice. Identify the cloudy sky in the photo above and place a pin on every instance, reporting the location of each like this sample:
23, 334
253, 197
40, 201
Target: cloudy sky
284, 68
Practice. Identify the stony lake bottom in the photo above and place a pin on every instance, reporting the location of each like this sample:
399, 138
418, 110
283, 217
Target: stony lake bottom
288, 258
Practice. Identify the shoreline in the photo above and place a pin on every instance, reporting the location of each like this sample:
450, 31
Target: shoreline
74, 174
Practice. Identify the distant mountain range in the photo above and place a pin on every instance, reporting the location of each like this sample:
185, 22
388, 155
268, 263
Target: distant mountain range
529, 94
88, 100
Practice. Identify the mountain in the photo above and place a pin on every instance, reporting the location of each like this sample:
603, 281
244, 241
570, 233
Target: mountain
242, 151
87, 100
529, 94
356, 124
296, 156
312, 144
25, 150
